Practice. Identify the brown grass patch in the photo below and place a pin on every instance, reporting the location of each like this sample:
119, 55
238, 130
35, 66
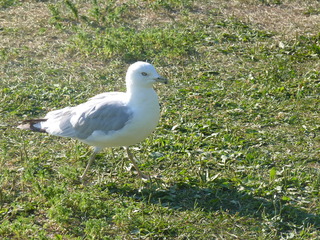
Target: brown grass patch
287, 20
29, 25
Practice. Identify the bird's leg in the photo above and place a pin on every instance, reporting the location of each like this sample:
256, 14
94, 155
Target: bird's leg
96, 150
130, 155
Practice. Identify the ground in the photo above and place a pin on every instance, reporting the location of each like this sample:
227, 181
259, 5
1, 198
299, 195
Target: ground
237, 149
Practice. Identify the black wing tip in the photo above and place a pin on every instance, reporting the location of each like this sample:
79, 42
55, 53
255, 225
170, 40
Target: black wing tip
34, 121
29, 125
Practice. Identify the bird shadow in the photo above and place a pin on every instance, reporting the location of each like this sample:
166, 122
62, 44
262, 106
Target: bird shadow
225, 198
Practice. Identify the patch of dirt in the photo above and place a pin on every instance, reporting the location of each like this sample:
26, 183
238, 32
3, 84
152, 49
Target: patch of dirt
28, 25
287, 20
26, 32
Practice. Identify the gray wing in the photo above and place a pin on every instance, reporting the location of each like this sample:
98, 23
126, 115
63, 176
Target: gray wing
106, 117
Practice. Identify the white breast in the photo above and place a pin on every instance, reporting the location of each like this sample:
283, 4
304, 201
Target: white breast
146, 114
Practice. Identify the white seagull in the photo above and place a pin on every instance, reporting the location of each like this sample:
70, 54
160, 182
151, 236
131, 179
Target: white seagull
111, 119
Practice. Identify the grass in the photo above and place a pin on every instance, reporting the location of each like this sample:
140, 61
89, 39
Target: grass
237, 147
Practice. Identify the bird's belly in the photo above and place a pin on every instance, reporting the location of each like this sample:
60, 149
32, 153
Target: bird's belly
135, 131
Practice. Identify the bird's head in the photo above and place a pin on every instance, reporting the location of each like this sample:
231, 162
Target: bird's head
143, 74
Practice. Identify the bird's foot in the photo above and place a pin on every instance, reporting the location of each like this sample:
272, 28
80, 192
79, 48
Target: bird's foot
144, 177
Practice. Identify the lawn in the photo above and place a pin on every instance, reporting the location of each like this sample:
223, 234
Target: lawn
237, 149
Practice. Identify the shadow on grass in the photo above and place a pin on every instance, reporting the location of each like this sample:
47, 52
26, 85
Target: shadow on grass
184, 197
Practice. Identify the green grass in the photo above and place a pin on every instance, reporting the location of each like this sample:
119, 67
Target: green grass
237, 147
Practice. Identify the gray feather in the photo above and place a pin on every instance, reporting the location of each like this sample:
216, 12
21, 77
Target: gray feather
105, 117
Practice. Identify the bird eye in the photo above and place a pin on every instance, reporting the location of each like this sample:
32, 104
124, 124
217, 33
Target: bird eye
144, 74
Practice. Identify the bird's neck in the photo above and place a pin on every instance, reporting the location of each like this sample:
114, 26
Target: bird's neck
141, 95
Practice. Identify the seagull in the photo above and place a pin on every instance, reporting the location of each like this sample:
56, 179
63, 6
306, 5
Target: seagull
110, 119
